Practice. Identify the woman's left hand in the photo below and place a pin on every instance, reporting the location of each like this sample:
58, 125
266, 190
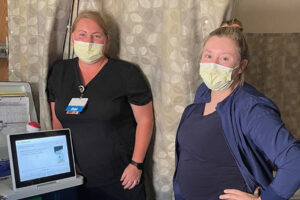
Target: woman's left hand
131, 177
233, 194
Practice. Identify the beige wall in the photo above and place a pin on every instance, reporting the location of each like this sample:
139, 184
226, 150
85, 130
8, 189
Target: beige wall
268, 16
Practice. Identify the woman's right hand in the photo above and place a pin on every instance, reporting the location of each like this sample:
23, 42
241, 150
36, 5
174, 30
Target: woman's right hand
78, 171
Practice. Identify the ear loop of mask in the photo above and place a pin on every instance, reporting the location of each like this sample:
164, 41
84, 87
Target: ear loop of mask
236, 67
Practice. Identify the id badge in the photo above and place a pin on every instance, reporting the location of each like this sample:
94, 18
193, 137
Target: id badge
76, 105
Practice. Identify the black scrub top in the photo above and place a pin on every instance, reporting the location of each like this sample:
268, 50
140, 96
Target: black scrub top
103, 133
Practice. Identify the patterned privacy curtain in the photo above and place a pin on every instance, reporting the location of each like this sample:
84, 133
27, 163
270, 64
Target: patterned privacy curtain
163, 37
37, 30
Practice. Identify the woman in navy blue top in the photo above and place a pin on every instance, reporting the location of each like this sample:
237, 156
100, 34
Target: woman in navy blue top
232, 137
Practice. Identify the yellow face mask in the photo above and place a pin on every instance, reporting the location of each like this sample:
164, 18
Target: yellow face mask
88, 52
216, 77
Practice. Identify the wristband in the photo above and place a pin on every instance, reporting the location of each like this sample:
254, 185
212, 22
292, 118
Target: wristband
138, 165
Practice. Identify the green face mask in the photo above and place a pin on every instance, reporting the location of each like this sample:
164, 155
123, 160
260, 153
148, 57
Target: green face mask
88, 52
216, 77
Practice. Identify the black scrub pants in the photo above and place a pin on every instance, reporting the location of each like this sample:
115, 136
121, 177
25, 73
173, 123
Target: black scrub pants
111, 192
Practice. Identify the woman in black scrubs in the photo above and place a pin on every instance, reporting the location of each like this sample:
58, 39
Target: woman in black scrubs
107, 104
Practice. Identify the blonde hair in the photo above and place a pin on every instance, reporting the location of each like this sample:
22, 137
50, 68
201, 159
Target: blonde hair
93, 15
234, 22
238, 37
